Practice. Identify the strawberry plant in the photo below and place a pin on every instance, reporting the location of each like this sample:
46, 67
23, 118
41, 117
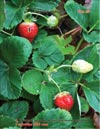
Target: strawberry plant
49, 64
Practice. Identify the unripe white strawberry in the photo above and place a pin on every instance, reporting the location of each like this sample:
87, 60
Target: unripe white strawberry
81, 66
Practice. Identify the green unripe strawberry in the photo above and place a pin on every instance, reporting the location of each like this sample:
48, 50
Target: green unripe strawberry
52, 21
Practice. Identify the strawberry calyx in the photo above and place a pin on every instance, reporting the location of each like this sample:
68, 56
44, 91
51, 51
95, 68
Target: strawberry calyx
61, 94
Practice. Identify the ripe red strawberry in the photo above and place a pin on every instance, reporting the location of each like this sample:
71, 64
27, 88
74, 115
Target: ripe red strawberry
64, 100
28, 30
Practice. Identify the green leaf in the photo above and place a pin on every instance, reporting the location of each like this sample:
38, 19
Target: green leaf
74, 10
47, 94
94, 17
6, 121
97, 75
85, 123
84, 105
16, 110
32, 81
69, 50
83, 16
15, 51
47, 54
43, 5
41, 35
38, 61
90, 95
21, 2
64, 44
2, 97
10, 81
2, 13
53, 118
93, 37
94, 86
61, 76
2, 37
13, 15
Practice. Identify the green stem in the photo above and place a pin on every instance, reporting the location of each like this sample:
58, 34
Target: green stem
93, 26
51, 79
61, 33
13, 30
38, 14
79, 44
81, 84
6, 33
63, 16
67, 33
20, 5
80, 77
62, 66
40, 27
40, 70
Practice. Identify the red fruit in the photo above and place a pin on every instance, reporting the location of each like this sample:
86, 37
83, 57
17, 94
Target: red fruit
64, 100
28, 30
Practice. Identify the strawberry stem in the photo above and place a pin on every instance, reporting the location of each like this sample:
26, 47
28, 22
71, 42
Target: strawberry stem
38, 14
61, 33
93, 26
79, 44
81, 75
6, 33
81, 84
62, 66
39, 70
63, 16
51, 79
73, 30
